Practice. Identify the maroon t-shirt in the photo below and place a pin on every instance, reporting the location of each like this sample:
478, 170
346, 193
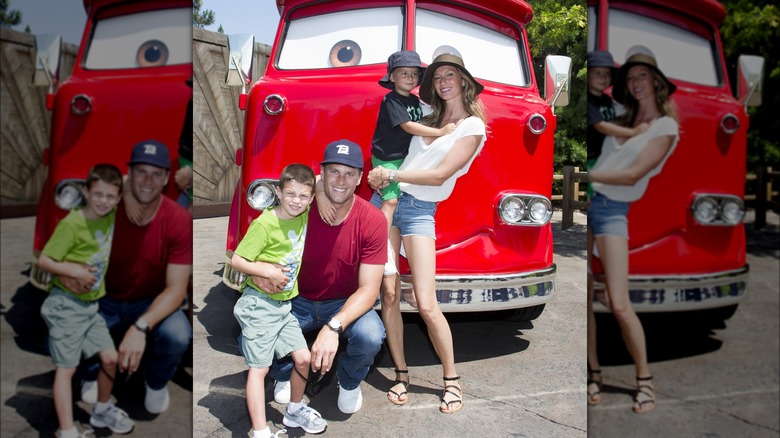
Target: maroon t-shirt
332, 254
140, 255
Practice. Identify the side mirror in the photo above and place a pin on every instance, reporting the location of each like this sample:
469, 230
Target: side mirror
47, 60
750, 77
557, 77
240, 59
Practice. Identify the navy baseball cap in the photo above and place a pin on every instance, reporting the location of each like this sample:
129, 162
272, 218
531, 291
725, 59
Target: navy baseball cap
150, 152
404, 58
343, 152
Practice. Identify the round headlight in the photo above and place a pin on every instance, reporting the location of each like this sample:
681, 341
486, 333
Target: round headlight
705, 210
540, 210
260, 194
68, 195
732, 211
512, 209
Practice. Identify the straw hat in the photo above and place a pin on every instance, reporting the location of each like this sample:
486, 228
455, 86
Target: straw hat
426, 87
640, 55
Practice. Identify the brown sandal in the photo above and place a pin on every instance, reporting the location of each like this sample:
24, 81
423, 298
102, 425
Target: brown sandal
459, 396
594, 387
397, 400
646, 392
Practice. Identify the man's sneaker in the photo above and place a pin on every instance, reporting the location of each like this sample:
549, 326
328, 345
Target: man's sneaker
306, 418
350, 400
157, 400
113, 418
89, 391
282, 392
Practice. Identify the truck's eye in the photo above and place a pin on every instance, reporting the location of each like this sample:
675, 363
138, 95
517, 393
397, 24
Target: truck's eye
345, 53
152, 53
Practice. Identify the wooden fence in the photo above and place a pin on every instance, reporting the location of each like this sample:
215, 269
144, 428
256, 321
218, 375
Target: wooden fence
572, 177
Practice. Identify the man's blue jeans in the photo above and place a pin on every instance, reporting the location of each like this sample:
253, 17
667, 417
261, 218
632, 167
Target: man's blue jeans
364, 340
166, 344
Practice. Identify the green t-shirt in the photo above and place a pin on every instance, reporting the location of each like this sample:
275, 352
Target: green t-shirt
273, 240
81, 240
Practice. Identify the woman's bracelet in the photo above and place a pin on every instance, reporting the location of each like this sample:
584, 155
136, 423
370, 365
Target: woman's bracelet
393, 175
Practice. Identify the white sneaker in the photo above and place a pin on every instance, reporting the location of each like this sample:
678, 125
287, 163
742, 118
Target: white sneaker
89, 391
282, 392
157, 400
350, 400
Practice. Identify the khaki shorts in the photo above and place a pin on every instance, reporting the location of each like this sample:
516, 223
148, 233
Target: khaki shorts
267, 327
75, 328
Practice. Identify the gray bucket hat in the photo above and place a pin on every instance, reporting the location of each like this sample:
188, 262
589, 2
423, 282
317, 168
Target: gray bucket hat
404, 58
602, 58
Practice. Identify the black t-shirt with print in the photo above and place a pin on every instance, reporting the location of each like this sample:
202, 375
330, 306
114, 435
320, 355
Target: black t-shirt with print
390, 141
600, 109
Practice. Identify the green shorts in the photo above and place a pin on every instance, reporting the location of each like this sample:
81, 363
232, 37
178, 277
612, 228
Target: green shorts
76, 328
267, 327
589, 187
392, 191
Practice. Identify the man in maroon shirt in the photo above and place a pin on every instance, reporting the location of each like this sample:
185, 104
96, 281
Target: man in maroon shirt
148, 274
342, 267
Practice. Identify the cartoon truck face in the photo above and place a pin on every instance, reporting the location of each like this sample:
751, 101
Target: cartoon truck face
128, 85
686, 237
494, 239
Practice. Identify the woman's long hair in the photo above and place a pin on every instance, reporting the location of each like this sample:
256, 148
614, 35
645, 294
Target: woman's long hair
471, 102
662, 102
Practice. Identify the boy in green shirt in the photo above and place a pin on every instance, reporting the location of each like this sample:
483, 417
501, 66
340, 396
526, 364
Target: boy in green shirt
267, 326
79, 248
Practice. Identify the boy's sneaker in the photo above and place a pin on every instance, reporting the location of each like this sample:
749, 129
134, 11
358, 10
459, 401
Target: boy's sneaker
350, 400
157, 400
89, 391
113, 418
282, 392
306, 418
89, 433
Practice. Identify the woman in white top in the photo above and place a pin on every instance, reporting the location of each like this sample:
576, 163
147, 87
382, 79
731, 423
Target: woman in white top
620, 176
427, 176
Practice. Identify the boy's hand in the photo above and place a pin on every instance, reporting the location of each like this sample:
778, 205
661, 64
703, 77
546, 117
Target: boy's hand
641, 129
449, 128
326, 208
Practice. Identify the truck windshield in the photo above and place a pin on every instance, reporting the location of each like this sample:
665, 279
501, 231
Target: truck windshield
675, 49
341, 39
488, 54
146, 39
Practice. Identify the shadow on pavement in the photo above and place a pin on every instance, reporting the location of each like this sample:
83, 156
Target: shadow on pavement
24, 317
668, 337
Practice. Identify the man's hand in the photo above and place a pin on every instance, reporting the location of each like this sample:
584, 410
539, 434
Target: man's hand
323, 351
83, 283
131, 350
274, 280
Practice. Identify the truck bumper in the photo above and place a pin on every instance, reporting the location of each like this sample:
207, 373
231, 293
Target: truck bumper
464, 293
679, 293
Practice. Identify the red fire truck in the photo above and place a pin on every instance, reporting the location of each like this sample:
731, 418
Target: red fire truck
128, 85
494, 247
687, 240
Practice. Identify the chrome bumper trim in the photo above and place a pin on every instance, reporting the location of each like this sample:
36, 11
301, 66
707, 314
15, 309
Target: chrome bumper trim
680, 293
463, 293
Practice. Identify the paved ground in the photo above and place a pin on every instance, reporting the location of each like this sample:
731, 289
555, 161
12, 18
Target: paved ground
713, 380
27, 371
520, 379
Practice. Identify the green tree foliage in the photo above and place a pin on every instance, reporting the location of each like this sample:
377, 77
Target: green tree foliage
201, 18
751, 28
8, 17
560, 28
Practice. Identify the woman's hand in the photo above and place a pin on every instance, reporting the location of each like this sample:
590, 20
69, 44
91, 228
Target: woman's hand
376, 179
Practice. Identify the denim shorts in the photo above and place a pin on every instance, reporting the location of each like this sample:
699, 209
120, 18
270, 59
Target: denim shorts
607, 217
414, 217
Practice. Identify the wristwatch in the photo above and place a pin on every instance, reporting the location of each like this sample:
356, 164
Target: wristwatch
142, 325
335, 325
